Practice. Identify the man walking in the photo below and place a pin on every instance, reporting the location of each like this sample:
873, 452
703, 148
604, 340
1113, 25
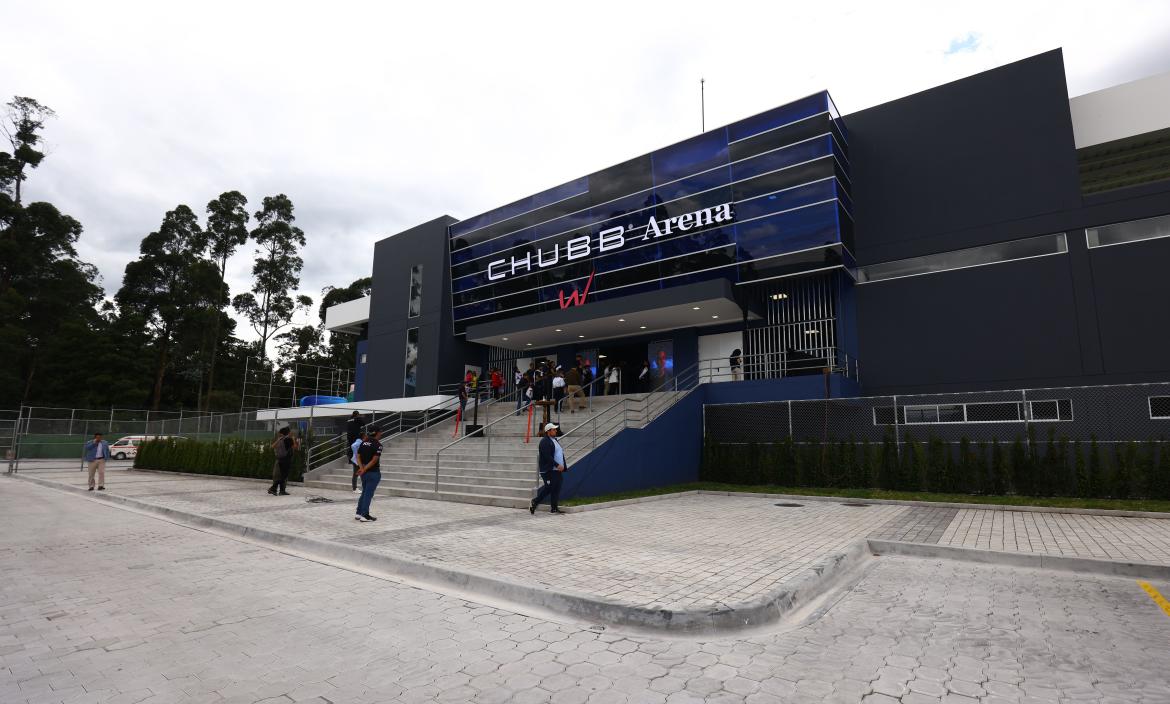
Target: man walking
551, 463
369, 456
353, 457
97, 451
284, 447
573, 388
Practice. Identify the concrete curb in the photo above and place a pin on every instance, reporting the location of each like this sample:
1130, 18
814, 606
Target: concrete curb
1101, 566
891, 502
766, 611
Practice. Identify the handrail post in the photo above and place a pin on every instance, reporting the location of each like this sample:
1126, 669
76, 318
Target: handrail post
489, 442
437, 470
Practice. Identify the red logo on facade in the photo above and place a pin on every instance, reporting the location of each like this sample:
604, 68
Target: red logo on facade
577, 298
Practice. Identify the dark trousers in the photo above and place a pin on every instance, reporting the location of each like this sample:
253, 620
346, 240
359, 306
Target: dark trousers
283, 467
551, 489
370, 482
353, 484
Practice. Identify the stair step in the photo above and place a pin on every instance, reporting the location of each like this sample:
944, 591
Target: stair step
456, 496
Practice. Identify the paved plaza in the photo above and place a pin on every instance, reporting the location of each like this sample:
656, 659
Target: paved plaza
101, 604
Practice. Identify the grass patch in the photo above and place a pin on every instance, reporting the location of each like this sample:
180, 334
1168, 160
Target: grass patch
1009, 500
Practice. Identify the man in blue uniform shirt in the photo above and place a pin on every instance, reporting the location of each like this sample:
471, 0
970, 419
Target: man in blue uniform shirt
551, 463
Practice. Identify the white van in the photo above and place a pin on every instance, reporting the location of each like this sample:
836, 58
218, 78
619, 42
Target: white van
127, 447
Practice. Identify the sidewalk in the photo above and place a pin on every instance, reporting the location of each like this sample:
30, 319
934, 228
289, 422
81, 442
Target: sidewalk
697, 554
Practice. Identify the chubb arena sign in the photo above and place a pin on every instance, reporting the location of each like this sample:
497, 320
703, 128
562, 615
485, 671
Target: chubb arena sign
609, 240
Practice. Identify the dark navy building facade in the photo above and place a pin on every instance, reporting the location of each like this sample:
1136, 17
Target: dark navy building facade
956, 239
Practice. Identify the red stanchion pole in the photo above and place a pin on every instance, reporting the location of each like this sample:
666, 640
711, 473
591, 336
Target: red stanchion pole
458, 418
528, 426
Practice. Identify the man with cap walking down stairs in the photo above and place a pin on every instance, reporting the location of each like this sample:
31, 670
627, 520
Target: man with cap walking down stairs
551, 463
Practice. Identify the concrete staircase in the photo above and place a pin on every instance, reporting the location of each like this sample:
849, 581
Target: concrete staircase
508, 477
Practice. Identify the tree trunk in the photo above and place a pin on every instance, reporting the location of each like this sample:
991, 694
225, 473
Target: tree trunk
158, 377
215, 336
32, 366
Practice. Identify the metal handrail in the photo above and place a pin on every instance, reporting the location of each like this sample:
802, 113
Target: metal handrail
482, 432
338, 442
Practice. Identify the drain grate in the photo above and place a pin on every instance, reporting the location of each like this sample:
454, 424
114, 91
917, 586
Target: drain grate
318, 500
856, 504
790, 505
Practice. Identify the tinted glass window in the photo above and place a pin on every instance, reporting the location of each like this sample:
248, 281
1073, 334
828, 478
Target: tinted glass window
415, 306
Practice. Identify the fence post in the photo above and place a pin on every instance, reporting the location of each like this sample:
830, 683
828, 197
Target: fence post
219, 438
72, 413
15, 466
897, 434
1027, 416
790, 421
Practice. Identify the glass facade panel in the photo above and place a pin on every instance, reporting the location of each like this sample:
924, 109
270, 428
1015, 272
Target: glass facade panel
738, 202
1124, 232
410, 376
415, 306
963, 258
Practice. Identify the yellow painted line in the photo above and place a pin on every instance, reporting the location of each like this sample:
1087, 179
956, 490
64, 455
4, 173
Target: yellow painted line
1158, 598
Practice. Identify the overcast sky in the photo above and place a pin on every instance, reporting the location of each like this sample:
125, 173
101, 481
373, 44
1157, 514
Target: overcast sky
374, 118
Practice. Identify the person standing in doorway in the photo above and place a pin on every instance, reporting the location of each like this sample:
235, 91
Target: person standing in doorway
353, 458
613, 383
285, 446
369, 455
97, 451
587, 378
552, 466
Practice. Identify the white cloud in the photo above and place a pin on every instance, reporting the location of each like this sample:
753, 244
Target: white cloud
374, 118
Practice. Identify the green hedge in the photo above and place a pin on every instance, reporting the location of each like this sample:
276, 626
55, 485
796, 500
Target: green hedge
1025, 465
227, 458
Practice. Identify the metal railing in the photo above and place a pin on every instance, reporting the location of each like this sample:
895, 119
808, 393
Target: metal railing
777, 365
393, 425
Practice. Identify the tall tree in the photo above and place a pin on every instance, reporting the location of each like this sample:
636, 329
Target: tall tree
227, 230
270, 305
47, 294
169, 288
24, 120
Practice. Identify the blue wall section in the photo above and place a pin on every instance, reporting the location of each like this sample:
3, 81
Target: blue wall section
669, 450
665, 452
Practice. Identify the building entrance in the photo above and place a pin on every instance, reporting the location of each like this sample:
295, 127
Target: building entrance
628, 359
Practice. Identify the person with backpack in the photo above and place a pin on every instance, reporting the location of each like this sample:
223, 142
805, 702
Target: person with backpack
283, 447
353, 457
369, 469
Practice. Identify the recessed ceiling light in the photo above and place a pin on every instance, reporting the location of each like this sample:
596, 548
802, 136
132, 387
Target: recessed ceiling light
559, 330
621, 320
779, 296
528, 344
714, 316
810, 331
642, 327
695, 308
504, 339
581, 336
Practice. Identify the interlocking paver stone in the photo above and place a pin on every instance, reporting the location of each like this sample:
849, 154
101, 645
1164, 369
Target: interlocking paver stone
117, 606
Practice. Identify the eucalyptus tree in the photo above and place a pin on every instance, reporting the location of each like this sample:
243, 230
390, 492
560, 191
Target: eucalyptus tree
227, 230
271, 304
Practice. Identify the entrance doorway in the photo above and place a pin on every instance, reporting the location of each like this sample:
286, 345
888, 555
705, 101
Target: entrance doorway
628, 358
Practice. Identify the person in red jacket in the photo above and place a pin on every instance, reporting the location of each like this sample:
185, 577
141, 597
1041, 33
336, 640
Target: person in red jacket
497, 384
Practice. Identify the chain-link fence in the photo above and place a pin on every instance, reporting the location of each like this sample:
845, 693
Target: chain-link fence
45, 437
1087, 441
